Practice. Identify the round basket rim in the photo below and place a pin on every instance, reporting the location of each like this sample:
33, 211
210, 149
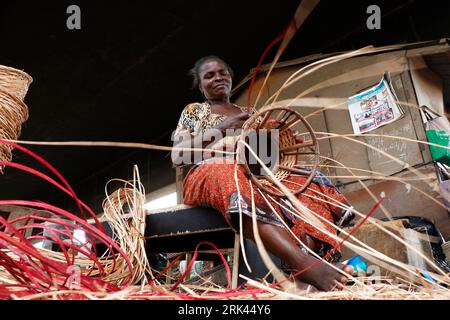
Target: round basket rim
17, 71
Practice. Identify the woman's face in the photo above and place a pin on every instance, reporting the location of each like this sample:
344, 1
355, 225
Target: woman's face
215, 80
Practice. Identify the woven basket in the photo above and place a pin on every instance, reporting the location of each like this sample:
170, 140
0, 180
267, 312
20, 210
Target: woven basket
289, 150
286, 139
13, 112
14, 81
13, 107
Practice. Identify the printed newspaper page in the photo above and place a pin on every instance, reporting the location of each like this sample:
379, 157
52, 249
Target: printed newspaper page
373, 108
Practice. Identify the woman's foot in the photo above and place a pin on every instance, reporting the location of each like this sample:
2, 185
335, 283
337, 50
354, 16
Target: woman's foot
300, 285
280, 243
325, 278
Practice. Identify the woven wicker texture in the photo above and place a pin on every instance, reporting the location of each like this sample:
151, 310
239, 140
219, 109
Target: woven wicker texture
290, 147
14, 81
13, 111
286, 139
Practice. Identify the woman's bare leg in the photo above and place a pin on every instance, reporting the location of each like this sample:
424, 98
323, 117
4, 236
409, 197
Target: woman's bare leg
280, 243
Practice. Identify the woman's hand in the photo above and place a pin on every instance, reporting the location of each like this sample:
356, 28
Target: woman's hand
234, 122
344, 217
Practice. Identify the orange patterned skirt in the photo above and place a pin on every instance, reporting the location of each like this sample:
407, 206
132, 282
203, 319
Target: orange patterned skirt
212, 184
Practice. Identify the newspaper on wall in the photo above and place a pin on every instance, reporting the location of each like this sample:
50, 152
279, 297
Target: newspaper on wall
374, 107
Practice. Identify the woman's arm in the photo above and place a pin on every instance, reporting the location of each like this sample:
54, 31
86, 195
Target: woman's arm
186, 140
202, 140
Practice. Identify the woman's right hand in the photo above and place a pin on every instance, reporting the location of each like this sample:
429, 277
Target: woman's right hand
234, 122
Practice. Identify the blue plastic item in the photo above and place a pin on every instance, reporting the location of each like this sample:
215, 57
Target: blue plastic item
357, 263
428, 277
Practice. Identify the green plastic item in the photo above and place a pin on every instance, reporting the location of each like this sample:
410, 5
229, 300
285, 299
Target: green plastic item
441, 138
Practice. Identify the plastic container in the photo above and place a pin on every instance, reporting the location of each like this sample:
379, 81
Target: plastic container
358, 264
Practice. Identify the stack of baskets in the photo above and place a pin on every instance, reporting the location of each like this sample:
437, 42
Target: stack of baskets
13, 111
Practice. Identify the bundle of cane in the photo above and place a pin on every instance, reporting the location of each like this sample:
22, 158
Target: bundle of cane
128, 228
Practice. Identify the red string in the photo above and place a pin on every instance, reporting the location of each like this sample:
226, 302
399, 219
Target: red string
194, 257
59, 175
369, 213
263, 56
165, 269
44, 177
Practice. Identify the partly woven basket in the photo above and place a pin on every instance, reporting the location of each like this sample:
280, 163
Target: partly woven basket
15, 82
289, 147
286, 139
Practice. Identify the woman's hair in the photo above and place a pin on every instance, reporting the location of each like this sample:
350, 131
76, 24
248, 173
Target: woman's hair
195, 71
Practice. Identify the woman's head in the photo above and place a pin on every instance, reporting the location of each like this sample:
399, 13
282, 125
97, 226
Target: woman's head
213, 77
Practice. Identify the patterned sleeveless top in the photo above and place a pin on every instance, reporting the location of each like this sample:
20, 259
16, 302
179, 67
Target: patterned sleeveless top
197, 118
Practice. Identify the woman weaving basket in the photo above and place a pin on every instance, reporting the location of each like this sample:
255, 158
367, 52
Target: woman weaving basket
211, 182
